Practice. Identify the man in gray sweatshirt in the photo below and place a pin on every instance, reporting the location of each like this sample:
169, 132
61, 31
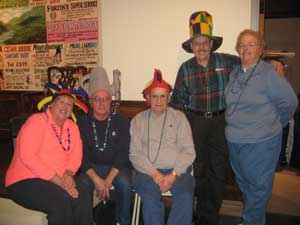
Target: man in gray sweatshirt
162, 152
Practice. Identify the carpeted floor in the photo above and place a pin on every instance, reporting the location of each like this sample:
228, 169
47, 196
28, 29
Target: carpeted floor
285, 197
272, 219
284, 205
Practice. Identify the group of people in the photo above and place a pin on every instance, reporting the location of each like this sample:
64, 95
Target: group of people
223, 107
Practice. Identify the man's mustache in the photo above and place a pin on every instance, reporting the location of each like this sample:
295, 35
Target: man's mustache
201, 51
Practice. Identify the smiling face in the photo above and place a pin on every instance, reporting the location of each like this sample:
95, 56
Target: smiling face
159, 99
201, 47
61, 108
249, 47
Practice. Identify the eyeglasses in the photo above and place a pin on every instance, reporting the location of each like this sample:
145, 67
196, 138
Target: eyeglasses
198, 44
98, 99
249, 45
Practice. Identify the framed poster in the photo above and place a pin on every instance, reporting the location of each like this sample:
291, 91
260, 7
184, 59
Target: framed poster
37, 34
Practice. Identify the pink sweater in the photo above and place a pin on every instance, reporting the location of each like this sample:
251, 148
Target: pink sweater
38, 152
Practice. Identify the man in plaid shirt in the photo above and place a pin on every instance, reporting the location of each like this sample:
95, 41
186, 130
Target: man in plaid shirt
199, 91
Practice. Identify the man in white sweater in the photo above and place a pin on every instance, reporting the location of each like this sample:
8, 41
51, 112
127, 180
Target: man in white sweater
162, 152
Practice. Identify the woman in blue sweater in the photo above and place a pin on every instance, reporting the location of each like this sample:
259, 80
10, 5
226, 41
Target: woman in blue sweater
259, 103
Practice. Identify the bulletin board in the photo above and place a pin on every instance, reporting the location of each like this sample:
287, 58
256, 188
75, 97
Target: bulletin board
47, 40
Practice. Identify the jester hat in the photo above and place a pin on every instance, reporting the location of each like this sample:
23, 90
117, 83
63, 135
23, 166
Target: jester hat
156, 82
201, 24
61, 89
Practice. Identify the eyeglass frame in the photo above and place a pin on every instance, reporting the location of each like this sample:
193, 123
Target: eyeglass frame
98, 99
249, 45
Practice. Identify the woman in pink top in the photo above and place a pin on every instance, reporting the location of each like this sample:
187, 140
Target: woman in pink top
47, 155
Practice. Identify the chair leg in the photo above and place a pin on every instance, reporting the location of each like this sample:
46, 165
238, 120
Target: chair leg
136, 210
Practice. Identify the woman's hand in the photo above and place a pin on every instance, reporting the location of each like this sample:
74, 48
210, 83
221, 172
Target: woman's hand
68, 180
72, 191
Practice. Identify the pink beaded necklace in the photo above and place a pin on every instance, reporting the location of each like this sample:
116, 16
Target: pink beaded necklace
60, 139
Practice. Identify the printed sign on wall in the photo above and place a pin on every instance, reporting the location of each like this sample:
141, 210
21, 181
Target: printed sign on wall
38, 34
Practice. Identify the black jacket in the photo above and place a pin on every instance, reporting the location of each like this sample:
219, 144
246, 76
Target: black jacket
116, 153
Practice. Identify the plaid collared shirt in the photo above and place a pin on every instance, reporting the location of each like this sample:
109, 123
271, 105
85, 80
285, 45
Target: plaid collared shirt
201, 88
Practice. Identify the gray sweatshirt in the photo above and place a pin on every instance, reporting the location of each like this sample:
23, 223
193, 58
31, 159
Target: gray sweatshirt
161, 147
257, 110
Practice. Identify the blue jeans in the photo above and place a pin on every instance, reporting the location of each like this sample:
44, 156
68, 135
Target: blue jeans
123, 189
254, 167
182, 199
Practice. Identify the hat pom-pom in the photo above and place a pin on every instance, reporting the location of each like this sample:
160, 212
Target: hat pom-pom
157, 75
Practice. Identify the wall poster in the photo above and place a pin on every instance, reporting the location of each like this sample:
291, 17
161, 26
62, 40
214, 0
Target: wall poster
39, 35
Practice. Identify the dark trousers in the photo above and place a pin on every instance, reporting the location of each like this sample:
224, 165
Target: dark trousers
60, 207
123, 187
210, 165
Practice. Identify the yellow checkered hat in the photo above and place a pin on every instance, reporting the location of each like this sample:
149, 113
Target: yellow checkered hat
201, 24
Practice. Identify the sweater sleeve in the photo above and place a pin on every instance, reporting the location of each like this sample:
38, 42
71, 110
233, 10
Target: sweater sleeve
122, 157
30, 142
231, 60
282, 95
180, 94
186, 150
137, 156
76, 156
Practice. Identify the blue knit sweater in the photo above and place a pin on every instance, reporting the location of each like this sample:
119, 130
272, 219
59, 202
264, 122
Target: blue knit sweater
257, 107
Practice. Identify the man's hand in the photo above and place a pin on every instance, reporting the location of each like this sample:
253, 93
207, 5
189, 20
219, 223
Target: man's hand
157, 176
278, 66
167, 183
111, 176
101, 188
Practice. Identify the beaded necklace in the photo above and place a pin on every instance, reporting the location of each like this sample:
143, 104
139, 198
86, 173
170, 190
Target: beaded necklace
59, 138
230, 88
103, 148
161, 136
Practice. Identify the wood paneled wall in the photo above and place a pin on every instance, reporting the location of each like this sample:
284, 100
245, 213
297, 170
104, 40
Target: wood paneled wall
14, 104
21, 103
